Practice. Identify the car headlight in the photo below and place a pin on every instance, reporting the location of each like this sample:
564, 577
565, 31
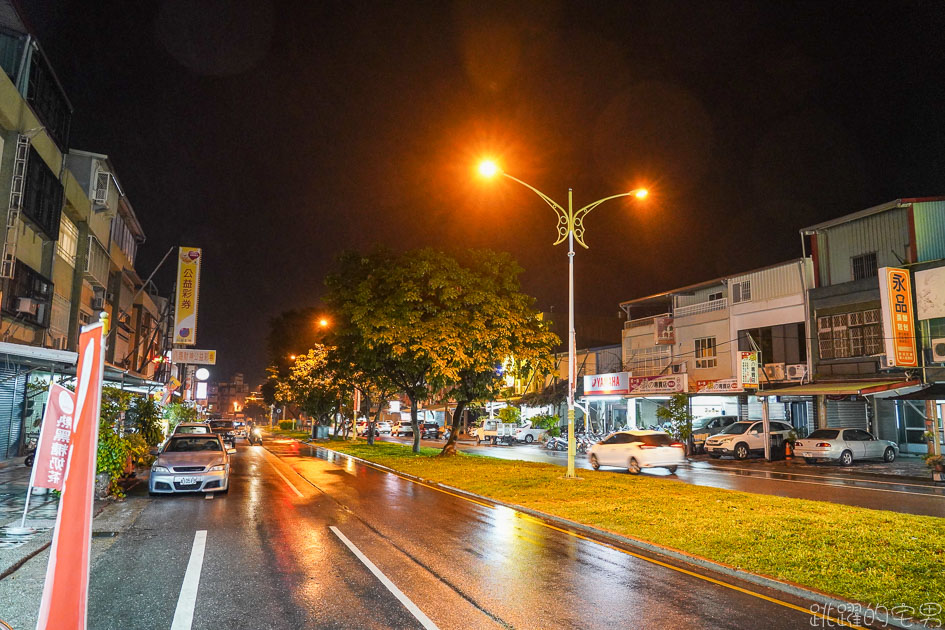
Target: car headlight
159, 469
218, 467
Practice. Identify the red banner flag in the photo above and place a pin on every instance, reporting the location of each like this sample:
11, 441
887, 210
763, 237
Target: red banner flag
65, 593
55, 438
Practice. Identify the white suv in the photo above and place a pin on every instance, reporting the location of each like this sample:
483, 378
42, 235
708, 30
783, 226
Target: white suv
742, 439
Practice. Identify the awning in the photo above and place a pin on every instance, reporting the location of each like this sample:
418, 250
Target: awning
34, 355
838, 388
935, 391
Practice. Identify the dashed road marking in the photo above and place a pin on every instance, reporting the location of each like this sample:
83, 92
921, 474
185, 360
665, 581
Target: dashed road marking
184, 614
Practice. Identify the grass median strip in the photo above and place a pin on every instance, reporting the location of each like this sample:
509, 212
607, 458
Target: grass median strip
881, 558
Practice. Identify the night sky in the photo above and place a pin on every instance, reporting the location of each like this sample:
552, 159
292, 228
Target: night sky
276, 134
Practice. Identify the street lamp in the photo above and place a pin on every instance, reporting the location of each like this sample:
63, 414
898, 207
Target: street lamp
570, 227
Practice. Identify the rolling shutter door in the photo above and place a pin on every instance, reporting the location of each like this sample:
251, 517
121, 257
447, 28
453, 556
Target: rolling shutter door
846, 414
12, 389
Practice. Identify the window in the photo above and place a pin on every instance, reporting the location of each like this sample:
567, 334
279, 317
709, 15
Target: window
42, 196
123, 237
850, 335
68, 242
29, 297
864, 266
649, 361
705, 353
715, 296
741, 291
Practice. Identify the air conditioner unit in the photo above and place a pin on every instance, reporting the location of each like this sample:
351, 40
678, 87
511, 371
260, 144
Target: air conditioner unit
774, 371
100, 193
109, 297
679, 368
98, 303
26, 305
797, 372
938, 350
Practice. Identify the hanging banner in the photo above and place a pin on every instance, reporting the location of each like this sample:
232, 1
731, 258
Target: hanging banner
55, 438
658, 385
66, 590
194, 357
895, 298
718, 386
664, 331
748, 370
188, 288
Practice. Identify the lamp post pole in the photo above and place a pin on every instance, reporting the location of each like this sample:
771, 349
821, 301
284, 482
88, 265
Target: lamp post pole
570, 227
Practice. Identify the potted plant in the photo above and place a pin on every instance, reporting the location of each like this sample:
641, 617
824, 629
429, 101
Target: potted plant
935, 462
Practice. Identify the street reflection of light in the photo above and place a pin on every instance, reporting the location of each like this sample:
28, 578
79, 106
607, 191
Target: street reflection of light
350, 465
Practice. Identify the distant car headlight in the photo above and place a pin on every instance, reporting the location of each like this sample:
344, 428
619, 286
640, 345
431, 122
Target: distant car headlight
159, 469
218, 467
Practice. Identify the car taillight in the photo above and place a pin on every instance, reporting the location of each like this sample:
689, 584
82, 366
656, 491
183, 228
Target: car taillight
823, 444
677, 444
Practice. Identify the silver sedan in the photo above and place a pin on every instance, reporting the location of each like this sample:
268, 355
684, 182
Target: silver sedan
844, 446
191, 463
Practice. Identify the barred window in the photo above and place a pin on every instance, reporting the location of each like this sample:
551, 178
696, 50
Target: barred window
705, 353
850, 335
864, 266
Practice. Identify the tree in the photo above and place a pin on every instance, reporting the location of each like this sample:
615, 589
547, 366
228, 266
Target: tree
676, 413
312, 384
290, 333
256, 411
145, 415
175, 413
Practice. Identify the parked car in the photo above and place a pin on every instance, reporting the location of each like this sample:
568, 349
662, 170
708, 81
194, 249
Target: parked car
402, 428
528, 433
702, 428
363, 427
744, 438
190, 428
844, 446
383, 426
225, 429
191, 463
495, 431
636, 450
430, 431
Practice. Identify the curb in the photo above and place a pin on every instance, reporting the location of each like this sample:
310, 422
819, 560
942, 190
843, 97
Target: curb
825, 600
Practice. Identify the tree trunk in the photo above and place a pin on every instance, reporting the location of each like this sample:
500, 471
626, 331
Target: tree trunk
450, 447
415, 424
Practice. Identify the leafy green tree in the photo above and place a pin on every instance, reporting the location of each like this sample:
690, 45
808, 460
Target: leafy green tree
175, 413
144, 415
676, 413
312, 383
256, 410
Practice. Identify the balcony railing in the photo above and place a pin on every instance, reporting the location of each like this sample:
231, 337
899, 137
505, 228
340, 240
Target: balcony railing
701, 307
97, 265
643, 321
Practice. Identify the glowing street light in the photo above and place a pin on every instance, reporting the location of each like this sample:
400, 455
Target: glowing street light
323, 323
570, 227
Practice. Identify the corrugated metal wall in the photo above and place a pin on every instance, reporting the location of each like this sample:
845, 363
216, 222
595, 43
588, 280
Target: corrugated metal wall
886, 233
773, 283
929, 219
12, 391
699, 295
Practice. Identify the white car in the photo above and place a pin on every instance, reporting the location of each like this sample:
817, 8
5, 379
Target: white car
636, 450
402, 428
528, 433
744, 438
843, 446
383, 426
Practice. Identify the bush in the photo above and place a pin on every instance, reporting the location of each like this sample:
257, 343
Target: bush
551, 424
112, 456
510, 414
286, 425
145, 415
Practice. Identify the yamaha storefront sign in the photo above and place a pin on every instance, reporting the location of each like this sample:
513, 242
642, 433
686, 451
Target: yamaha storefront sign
622, 384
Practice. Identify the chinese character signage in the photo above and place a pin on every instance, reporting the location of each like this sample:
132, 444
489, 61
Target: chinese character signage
895, 296
188, 286
55, 438
748, 370
194, 357
658, 385
664, 331
719, 386
607, 384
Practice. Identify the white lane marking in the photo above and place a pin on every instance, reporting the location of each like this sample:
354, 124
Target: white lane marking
285, 479
760, 474
409, 605
817, 483
184, 615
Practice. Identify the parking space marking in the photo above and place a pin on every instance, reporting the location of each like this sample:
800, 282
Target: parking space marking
820, 483
762, 474
409, 605
184, 614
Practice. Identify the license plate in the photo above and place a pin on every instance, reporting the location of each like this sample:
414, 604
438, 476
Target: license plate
185, 481
807, 455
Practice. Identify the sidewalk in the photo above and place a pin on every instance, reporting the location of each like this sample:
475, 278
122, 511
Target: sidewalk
906, 467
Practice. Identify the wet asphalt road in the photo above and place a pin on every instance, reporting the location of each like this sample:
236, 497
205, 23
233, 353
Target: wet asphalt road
271, 561
820, 483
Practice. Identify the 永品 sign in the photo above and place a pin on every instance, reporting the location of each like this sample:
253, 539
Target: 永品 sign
188, 290
895, 298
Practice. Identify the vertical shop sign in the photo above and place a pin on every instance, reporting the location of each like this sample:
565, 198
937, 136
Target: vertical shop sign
895, 297
188, 290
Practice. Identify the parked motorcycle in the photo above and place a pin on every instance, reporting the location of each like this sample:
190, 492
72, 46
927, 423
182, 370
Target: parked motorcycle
31, 441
